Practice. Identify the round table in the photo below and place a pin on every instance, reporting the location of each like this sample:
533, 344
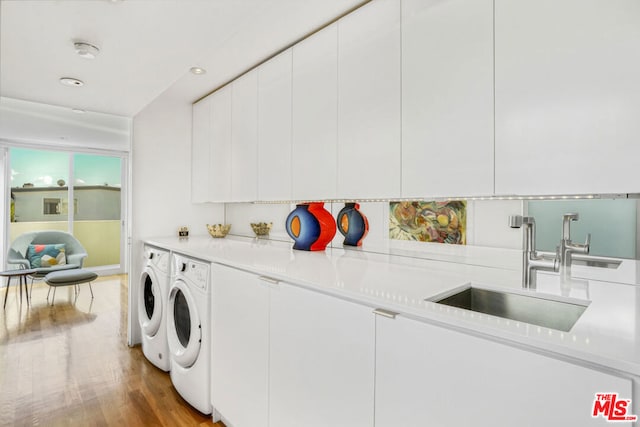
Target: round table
21, 274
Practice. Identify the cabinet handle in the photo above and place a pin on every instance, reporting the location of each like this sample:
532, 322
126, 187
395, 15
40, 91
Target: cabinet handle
269, 280
385, 313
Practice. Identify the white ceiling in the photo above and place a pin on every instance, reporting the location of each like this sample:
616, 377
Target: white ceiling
146, 46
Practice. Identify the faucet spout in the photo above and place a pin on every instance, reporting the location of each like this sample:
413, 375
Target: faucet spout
567, 247
566, 224
531, 261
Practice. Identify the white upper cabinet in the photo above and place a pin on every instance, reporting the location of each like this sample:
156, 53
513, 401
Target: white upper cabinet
211, 148
369, 101
447, 98
567, 96
244, 138
274, 128
315, 116
220, 160
200, 151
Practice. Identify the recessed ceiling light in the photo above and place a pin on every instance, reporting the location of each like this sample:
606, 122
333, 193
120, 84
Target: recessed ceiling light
197, 70
86, 50
78, 110
70, 81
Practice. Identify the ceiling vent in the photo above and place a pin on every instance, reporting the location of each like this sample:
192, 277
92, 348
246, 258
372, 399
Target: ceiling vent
86, 50
70, 81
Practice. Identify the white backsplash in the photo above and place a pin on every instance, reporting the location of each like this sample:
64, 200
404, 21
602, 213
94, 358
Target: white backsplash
240, 215
486, 226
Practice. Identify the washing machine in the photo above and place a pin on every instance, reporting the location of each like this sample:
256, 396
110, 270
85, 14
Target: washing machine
189, 331
153, 293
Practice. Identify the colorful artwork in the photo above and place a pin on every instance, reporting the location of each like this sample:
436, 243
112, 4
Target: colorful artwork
441, 222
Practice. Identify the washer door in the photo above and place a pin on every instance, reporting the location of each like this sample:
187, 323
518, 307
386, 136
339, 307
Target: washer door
149, 303
184, 333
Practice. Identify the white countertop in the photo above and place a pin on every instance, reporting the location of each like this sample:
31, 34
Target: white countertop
607, 333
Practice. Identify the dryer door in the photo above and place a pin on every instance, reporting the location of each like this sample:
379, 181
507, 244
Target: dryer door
184, 330
149, 303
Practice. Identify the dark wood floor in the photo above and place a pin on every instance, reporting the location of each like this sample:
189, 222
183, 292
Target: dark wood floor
69, 365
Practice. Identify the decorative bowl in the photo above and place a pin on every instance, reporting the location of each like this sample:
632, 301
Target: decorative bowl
261, 228
218, 230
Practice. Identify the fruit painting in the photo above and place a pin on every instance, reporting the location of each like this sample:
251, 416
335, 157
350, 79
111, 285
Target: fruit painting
438, 222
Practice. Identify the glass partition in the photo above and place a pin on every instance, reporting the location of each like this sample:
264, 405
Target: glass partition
611, 222
96, 219
39, 191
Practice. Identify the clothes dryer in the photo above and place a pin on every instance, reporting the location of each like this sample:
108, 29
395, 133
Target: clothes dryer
153, 292
189, 331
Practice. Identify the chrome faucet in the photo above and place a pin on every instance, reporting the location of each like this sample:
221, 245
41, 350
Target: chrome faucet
531, 260
567, 247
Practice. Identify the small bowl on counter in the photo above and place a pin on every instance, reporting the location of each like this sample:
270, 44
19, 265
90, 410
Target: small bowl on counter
218, 230
261, 229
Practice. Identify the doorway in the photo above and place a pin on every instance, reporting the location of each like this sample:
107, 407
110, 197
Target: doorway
81, 193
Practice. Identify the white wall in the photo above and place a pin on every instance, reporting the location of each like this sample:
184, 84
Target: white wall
161, 184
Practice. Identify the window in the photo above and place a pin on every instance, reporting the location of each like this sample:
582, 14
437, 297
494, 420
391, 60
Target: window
51, 206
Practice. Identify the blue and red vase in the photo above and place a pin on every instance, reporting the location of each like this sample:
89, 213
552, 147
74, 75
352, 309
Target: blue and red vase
311, 226
352, 224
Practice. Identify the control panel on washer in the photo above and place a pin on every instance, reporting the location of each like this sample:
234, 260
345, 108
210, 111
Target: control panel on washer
196, 272
160, 259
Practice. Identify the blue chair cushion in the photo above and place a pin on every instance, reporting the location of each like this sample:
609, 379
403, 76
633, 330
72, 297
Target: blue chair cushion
42, 256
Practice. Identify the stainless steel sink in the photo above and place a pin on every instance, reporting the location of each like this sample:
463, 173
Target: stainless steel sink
613, 264
549, 313
587, 260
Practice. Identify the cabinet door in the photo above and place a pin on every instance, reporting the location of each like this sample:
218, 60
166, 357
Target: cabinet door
274, 128
447, 98
200, 150
220, 156
244, 138
369, 101
321, 360
240, 347
315, 116
427, 375
567, 93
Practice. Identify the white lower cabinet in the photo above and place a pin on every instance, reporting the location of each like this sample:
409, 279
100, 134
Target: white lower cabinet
285, 356
321, 360
432, 376
240, 347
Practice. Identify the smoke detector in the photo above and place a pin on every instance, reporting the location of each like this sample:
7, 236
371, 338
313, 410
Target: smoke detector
86, 50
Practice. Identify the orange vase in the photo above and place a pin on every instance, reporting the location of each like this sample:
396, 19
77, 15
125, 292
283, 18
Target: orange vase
311, 226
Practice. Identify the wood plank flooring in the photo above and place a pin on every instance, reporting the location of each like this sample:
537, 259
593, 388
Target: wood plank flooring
69, 364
